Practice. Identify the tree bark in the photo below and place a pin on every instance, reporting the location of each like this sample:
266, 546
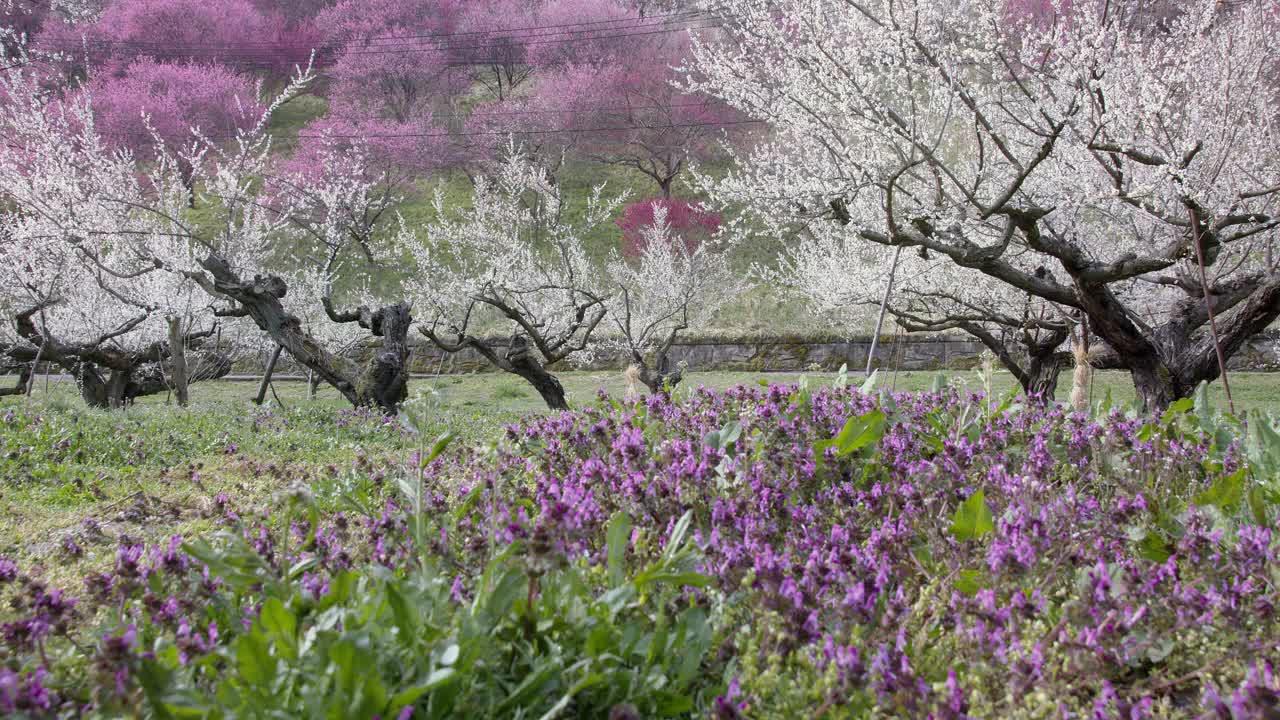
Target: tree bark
1155, 385
1040, 380
522, 362
23, 386
178, 361
382, 383
659, 377
386, 378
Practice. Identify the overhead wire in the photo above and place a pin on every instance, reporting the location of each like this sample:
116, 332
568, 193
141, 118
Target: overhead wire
258, 50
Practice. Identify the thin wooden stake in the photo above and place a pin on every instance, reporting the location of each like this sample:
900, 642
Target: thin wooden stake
884, 305
1196, 237
266, 376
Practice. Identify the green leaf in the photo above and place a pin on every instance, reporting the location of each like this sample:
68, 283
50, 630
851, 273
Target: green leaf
973, 518
406, 616
618, 537
870, 383
450, 655
1179, 407
1258, 506
859, 432
842, 377
1154, 548
437, 447
411, 696
724, 437
730, 433
1202, 405
253, 660
280, 624
677, 535
1225, 493
583, 684
970, 582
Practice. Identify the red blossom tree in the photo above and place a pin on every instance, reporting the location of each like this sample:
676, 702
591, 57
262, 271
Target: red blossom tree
687, 221
627, 109
229, 32
162, 101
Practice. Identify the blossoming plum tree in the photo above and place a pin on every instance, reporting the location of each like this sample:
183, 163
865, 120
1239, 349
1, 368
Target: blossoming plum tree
153, 107
1093, 163
132, 223
234, 33
511, 262
671, 286
96, 309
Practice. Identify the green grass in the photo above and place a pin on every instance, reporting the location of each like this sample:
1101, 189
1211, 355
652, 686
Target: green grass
154, 469
506, 396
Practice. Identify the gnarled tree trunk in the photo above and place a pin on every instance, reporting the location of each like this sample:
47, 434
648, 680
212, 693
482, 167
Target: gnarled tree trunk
520, 361
108, 377
382, 383
659, 377
1040, 378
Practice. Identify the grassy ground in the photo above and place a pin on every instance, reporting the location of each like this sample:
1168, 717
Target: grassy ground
500, 395
152, 470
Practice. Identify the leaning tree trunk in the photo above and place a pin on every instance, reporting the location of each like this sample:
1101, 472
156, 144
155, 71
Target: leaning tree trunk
267, 372
520, 361
178, 360
383, 383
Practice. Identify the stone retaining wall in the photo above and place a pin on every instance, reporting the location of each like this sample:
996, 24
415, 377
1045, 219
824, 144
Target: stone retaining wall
793, 354
764, 355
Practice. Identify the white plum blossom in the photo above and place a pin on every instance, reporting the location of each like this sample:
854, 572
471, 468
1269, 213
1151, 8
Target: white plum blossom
673, 286
1071, 158
512, 264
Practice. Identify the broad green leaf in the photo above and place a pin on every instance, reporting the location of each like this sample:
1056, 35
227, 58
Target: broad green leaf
1225, 493
618, 537
859, 432
969, 582
973, 518
870, 383
253, 660
406, 617
1204, 409
842, 377
450, 655
730, 433
280, 625
1179, 407
1154, 548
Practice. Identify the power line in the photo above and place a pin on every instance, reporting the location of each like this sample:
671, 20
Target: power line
518, 113
632, 23
504, 131
262, 59
546, 131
